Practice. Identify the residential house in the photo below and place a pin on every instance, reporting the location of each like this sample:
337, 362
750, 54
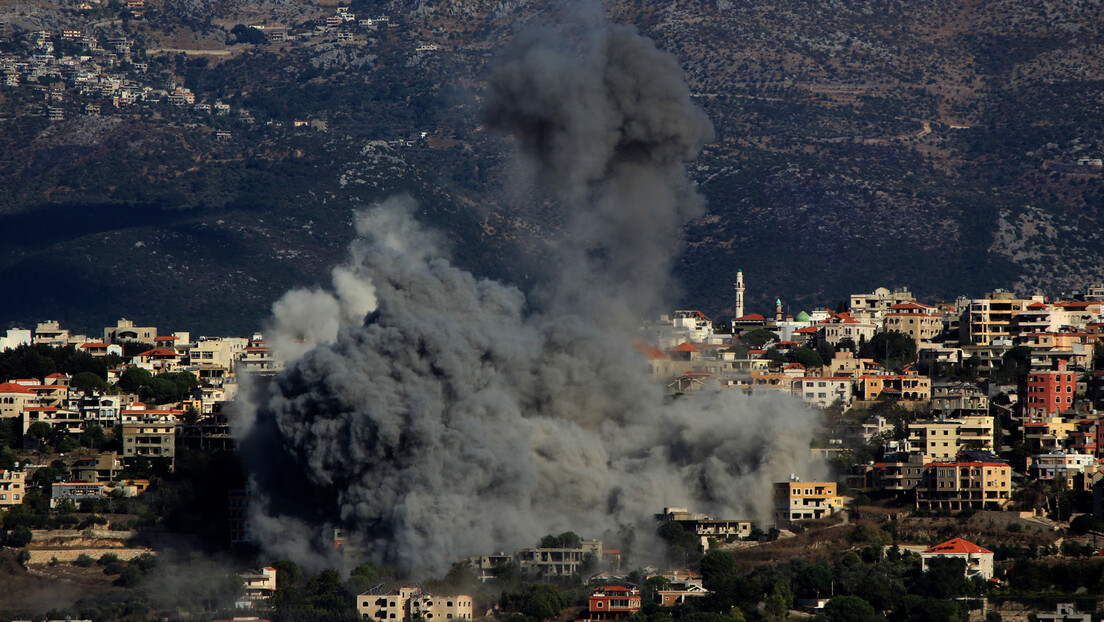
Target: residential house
797, 500
611, 603
958, 486
410, 603
979, 560
76, 492
921, 322
823, 391
12, 487
1058, 465
125, 330
943, 439
1048, 393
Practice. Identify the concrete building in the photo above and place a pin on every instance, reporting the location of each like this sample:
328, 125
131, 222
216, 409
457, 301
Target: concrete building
125, 330
13, 485
1058, 465
1047, 393
150, 439
921, 322
957, 486
75, 492
873, 305
612, 602
559, 562
410, 602
797, 500
823, 391
988, 320
979, 560
943, 439
706, 527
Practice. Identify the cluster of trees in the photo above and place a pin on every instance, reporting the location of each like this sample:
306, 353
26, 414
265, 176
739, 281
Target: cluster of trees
159, 389
39, 361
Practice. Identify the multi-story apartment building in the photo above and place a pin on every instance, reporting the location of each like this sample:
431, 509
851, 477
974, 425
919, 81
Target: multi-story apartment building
958, 399
1058, 465
706, 527
943, 439
1048, 434
918, 321
845, 326
873, 305
556, 562
985, 321
797, 500
1048, 393
910, 387
957, 486
612, 602
125, 330
410, 603
155, 439
823, 391
12, 487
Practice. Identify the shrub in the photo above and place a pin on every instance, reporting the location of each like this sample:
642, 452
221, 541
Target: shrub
84, 561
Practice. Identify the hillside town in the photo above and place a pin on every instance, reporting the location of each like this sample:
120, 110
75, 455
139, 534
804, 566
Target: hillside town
979, 409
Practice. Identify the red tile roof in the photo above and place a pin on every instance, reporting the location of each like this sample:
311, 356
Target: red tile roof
958, 545
11, 387
751, 317
685, 347
159, 352
649, 352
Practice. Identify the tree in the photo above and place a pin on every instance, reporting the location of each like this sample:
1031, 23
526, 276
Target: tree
758, 338
892, 349
19, 537
133, 379
848, 609
807, 357
89, 382
777, 606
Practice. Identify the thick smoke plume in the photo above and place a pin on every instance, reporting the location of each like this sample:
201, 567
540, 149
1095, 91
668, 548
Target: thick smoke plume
432, 414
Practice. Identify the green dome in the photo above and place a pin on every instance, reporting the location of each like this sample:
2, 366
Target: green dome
802, 317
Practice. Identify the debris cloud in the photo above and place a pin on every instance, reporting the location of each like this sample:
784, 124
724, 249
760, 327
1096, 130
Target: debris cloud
432, 414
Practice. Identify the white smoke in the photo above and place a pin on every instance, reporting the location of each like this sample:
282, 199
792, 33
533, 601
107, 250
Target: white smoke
462, 416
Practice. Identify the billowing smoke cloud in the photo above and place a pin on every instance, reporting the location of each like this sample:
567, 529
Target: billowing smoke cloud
460, 416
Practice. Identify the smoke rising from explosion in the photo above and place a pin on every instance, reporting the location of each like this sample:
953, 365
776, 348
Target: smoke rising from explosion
433, 414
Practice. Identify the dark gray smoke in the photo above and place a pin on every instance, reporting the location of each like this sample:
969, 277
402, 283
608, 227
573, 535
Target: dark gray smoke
455, 419
607, 122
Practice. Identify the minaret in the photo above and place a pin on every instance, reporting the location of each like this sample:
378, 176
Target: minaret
778, 310
740, 293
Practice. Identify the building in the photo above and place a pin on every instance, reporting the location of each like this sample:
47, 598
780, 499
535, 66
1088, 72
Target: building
957, 486
1047, 393
125, 330
612, 602
558, 562
410, 603
12, 487
707, 528
76, 492
150, 439
921, 322
103, 468
943, 439
876, 303
258, 585
958, 399
979, 560
985, 321
823, 391
798, 500
1058, 465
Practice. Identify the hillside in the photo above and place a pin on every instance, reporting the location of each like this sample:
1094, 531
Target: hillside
858, 144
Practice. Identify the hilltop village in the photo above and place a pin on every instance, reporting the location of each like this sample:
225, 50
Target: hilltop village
965, 432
